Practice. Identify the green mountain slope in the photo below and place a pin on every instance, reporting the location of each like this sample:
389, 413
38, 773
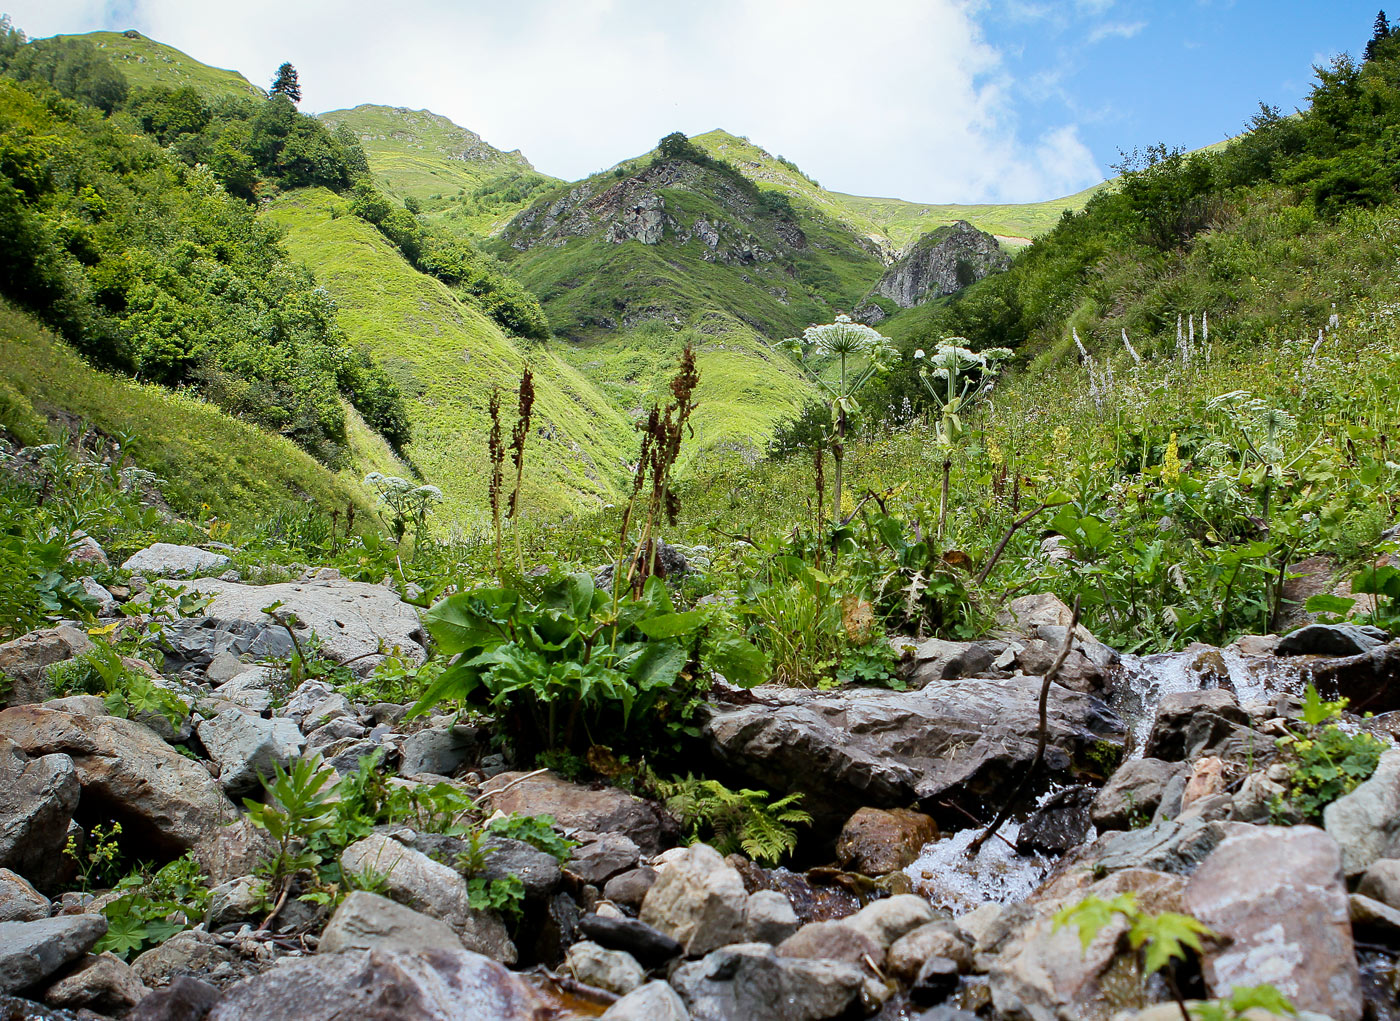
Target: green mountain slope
146, 62
454, 176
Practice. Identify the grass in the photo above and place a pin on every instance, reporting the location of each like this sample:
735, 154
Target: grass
146, 62
205, 456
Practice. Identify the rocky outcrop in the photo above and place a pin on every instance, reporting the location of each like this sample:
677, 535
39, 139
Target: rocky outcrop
941, 262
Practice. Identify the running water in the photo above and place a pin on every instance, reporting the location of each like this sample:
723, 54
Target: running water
949, 879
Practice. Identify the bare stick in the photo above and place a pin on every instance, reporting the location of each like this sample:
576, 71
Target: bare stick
1042, 740
1001, 546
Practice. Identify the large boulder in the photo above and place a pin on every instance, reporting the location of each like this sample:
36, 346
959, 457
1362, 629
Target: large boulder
411, 877
1190, 724
1331, 640
1370, 680
1366, 823
749, 980
950, 740
1277, 898
101, 982
655, 1001
128, 773
167, 560
37, 798
25, 660
247, 748
383, 984
877, 841
581, 809
366, 920
352, 619
698, 900
19, 901
941, 262
32, 951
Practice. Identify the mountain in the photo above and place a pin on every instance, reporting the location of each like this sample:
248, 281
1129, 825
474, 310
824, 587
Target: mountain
450, 172
146, 62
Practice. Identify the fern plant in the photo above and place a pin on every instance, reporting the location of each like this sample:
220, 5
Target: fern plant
743, 820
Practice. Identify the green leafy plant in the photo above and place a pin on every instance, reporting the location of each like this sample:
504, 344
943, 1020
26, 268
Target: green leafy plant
152, 908
297, 808
100, 860
505, 895
536, 830
126, 692
1324, 760
743, 820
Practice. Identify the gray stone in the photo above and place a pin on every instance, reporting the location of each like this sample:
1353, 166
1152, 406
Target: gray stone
19, 901
102, 600
1371, 916
935, 982
768, 917
613, 970
941, 262
1132, 794
250, 690
224, 667
336, 730
748, 981
365, 920
599, 860
37, 799
884, 921
1365, 823
441, 750
383, 984
1163, 847
166, 560
1059, 825
653, 949
1276, 896
698, 900
191, 953
248, 747
104, 983
576, 808
630, 888
655, 1001
314, 704
191, 643
1189, 724
1332, 640
127, 771
938, 660
228, 852
79, 705
32, 951
26, 659
411, 877
84, 549
1382, 882
831, 941
235, 901
185, 999
939, 938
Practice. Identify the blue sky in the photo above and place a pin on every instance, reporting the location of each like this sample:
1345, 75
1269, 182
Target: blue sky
928, 100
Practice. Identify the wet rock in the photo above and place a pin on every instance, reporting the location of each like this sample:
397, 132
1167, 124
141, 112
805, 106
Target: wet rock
876, 841
939, 660
128, 772
411, 877
577, 808
950, 740
939, 938
886, 920
650, 947
1382, 882
185, 999
1188, 723
1277, 897
25, 660
32, 951
37, 799
1132, 794
834, 941
1372, 917
630, 888
698, 900
1371, 680
1058, 825
599, 860
20, 902
104, 983
1331, 640
768, 917
440, 750
384, 984
613, 970
749, 980
655, 1001
1366, 823
1163, 847
248, 748
167, 560
364, 920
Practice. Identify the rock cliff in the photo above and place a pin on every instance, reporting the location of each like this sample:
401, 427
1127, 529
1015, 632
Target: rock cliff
941, 262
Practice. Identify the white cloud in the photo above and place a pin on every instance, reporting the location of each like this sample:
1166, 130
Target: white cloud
889, 97
1116, 30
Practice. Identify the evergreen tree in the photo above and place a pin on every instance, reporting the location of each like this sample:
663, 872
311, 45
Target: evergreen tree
1381, 32
285, 84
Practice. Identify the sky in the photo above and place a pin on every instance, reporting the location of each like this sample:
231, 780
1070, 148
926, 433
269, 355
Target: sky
925, 100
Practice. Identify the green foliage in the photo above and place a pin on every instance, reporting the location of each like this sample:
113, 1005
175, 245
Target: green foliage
743, 820
1241, 1002
127, 692
535, 830
298, 807
99, 861
72, 67
152, 908
1324, 760
505, 895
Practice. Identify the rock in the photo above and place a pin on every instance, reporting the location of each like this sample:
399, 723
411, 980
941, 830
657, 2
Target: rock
247, 747
1371, 680
576, 808
13, 1008
884, 921
698, 900
613, 970
768, 917
129, 773
876, 841
106, 606
1371, 916
185, 999
1059, 825
948, 741
234, 901
249, 691
104, 983
223, 668
26, 659
366, 920
1207, 779
599, 860
1276, 896
1132, 794
938, 660
84, 549
1174, 847
352, 619
748, 981
1331, 640
831, 941
166, 560
938, 938
32, 951
1188, 723
384, 984
191, 953
411, 877
655, 1001
1365, 822
442, 750
630, 888
79, 705
650, 947
941, 262
1382, 882
228, 852
20, 902
936, 981
37, 799
336, 730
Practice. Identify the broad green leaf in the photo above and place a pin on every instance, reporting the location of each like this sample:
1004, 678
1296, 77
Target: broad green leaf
572, 595
471, 620
671, 625
738, 660
1326, 602
658, 666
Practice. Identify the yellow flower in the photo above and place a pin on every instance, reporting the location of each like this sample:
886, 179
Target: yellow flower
1171, 463
995, 454
1061, 438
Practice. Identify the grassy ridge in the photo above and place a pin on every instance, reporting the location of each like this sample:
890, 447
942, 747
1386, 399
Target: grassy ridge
205, 456
146, 62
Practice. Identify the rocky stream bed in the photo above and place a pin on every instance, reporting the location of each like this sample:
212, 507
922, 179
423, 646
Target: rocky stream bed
1159, 779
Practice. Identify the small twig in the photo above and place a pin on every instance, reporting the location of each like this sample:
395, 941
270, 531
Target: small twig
1041, 741
518, 780
873, 967
963, 811
1001, 546
286, 889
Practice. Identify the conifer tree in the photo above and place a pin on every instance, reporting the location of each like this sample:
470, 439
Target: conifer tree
285, 84
1381, 32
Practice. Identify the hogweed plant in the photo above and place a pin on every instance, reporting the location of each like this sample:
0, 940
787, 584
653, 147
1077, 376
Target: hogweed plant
408, 503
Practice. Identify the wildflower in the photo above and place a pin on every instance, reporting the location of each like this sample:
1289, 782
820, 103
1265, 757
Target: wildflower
1171, 463
1061, 438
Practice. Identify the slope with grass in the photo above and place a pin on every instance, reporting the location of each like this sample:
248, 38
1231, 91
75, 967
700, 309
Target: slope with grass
204, 456
146, 62
456, 178
446, 357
